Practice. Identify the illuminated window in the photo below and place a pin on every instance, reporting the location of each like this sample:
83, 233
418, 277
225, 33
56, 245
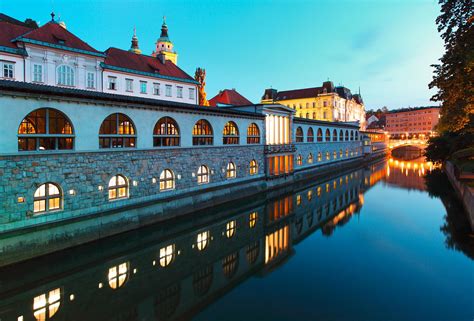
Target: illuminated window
347, 152
320, 135
203, 175
47, 197
253, 167
334, 155
253, 134
167, 255
166, 133
310, 135
320, 156
328, 156
298, 199
202, 133
299, 135
310, 195
65, 76
117, 131
230, 170
299, 160
327, 187
202, 280
118, 187
253, 219
310, 158
253, 252
328, 135
230, 264
319, 191
230, 134
45, 129
334, 135
118, 275
340, 153
46, 305
230, 228
166, 180
202, 240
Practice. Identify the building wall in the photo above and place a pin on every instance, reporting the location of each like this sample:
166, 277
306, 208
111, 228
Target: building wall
421, 121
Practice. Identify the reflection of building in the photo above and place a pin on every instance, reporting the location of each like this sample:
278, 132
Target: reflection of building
408, 122
408, 174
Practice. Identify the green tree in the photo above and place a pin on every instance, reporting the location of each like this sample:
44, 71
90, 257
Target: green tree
454, 76
31, 23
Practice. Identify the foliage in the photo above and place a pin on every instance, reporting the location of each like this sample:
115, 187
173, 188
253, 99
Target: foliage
31, 23
442, 148
454, 77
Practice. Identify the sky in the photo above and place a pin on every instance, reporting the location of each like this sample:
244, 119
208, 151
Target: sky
383, 47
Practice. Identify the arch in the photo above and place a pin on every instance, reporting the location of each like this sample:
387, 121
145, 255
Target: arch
334, 135
253, 167
347, 135
46, 305
117, 131
118, 275
118, 187
320, 135
166, 133
340, 153
203, 174
310, 158
231, 171
299, 160
167, 255
356, 135
230, 228
327, 135
341, 135
253, 134
167, 180
320, 156
352, 135
203, 133
202, 240
65, 75
230, 134
310, 135
47, 197
45, 129
328, 156
334, 155
299, 135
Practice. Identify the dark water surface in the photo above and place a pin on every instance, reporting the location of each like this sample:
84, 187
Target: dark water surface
384, 242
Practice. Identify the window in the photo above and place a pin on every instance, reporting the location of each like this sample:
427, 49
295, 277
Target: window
320, 156
156, 89
202, 240
310, 195
191, 93
341, 135
230, 264
167, 255
328, 156
324, 114
314, 114
202, 133
230, 170
253, 219
320, 135
45, 129
166, 133
142, 87
347, 152
328, 135
168, 90
340, 153
203, 175
118, 187
347, 135
253, 167
117, 131
352, 135
325, 104
299, 135
118, 275
334, 155
310, 158
357, 136
112, 83
90, 81
179, 92
202, 281
230, 228
46, 305
8, 70
166, 180
129, 85
65, 76
334, 135
299, 160
310, 135
230, 134
298, 199
252, 252
47, 197
37, 73
253, 134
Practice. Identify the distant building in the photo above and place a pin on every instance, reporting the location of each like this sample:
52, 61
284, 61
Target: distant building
372, 119
229, 97
322, 103
409, 122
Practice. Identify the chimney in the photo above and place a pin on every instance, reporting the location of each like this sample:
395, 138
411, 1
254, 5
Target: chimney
161, 57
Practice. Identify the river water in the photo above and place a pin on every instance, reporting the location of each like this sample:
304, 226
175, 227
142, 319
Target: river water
386, 242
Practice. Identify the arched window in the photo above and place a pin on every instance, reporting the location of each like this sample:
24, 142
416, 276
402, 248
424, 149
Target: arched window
167, 255
253, 134
352, 135
334, 135
65, 76
299, 135
230, 170
166, 180
253, 219
202, 240
118, 187
46, 305
202, 280
230, 134
202, 133
341, 135
252, 252
347, 152
230, 228
117, 131
253, 167
45, 129
320, 135
310, 158
47, 197
310, 135
328, 156
334, 155
357, 135
347, 135
118, 275
203, 174
320, 156
230, 264
166, 133
328, 135
299, 160
340, 153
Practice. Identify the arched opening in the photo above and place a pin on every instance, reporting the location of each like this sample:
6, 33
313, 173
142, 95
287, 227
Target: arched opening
253, 134
328, 135
203, 174
117, 131
118, 187
299, 135
167, 181
320, 135
47, 197
166, 133
310, 135
202, 133
230, 134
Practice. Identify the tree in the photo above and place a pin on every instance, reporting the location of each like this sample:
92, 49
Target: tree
454, 77
31, 23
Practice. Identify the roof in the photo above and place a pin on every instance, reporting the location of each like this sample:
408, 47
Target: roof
229, 97
126, 61
6, 18
299, 93
9, 31
299, 120
402, 110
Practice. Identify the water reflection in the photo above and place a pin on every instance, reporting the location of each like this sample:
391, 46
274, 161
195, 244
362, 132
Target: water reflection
172, 271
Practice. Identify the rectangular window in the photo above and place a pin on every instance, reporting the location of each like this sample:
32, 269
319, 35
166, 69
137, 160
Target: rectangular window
168, 90
191, 93
156, 89
37, 73
7, 70
129, 85
90, 80
143, 87
112, 83
179, 92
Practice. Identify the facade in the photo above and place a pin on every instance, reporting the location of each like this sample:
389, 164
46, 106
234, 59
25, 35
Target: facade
229, 97
412, 122
328, 103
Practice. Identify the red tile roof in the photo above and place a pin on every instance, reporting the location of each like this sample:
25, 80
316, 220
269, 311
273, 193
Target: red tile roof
9, 31
143, 63
229, 97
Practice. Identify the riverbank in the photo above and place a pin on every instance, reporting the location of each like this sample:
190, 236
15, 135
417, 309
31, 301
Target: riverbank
463, 191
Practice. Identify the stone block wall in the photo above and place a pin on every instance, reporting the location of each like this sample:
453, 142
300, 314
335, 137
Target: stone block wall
304, 149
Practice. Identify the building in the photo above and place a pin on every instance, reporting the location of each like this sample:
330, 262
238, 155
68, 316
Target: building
412, 122
229, 97
327, 103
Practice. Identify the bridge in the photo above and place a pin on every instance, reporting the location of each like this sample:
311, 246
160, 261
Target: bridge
407, 149
395, 143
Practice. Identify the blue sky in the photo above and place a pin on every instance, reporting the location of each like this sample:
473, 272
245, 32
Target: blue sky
384, 46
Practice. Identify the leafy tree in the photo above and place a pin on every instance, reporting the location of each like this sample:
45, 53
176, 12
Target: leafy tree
31, 23
454, 77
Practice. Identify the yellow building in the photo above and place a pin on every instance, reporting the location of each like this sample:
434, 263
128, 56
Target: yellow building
322, 103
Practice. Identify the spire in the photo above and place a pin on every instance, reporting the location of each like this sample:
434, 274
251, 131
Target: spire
164, 30
134, 48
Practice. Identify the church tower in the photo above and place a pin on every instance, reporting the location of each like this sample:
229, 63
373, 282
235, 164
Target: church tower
164, 46
134, 47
